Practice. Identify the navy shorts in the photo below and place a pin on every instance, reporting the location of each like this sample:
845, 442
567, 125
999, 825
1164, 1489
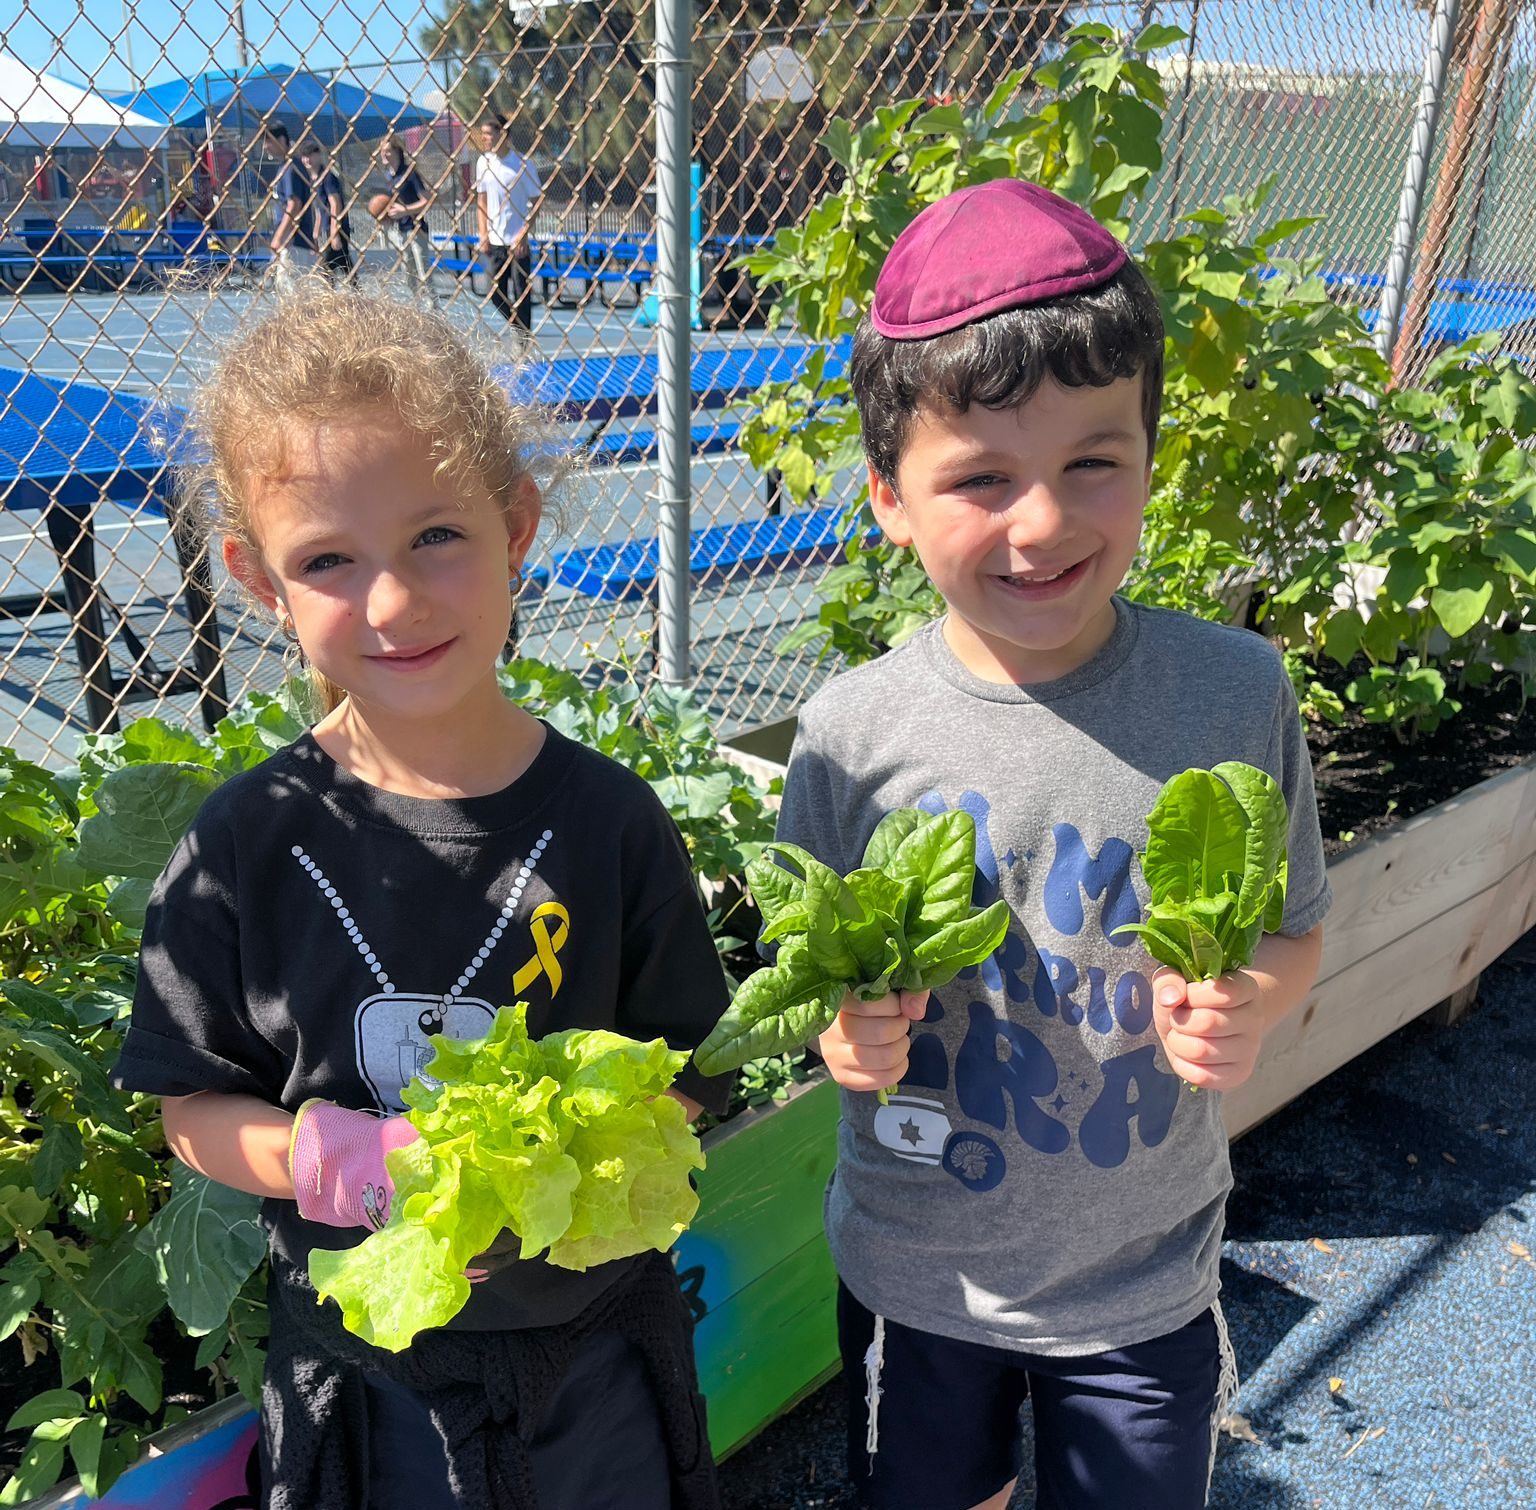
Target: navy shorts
1133, 1429
605, 1398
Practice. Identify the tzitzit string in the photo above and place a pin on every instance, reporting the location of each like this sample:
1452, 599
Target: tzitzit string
547, 942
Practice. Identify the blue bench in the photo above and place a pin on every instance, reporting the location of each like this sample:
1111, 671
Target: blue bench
614, 448
92, 257
63, 448
605, 388
717, 555
594, 262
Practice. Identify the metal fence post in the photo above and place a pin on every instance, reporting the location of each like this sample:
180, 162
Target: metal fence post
1442, 31
674, 399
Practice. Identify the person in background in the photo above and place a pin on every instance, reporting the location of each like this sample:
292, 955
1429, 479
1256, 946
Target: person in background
405, 221
507, 194
298, 217
335, 223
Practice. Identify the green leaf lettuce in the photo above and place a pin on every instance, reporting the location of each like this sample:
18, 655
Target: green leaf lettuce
566, 1141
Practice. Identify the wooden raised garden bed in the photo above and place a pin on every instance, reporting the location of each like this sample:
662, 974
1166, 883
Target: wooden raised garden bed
1418, 911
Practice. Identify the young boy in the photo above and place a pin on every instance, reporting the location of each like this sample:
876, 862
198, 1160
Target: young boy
1037, 1213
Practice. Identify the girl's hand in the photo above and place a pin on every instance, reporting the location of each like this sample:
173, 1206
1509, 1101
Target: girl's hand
865, 1049
395, 211
1211, 1030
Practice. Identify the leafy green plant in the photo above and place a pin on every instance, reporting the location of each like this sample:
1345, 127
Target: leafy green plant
566, 1141
1215, 865
1406, 696
1183, 565
902, 921
660, 733
87, 1197
1368, 518
1437, 590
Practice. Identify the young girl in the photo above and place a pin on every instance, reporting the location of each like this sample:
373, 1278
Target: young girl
406, 217
427, 853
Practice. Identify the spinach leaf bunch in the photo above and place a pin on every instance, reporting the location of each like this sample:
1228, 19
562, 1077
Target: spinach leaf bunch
903, 921
1215, 864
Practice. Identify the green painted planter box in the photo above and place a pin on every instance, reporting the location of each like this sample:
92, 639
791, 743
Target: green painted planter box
755, 1263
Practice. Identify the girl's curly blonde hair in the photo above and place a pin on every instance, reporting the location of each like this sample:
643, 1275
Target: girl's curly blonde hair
322, 354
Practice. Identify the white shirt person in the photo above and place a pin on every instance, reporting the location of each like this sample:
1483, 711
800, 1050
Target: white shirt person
507, 194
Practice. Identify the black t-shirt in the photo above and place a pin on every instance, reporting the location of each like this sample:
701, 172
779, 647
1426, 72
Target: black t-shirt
304, 935
293, 183
408, 189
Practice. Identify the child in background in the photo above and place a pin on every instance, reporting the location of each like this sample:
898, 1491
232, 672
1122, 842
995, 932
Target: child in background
427, 853
1037, 1214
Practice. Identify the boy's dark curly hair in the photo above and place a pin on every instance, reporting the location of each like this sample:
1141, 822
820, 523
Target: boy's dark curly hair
1084, 339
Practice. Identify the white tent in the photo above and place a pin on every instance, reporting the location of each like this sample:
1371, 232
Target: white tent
39, 113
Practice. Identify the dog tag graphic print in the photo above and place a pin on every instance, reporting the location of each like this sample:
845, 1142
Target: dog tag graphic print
393, 1027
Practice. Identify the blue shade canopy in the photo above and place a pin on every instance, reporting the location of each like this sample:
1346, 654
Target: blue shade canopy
308, 104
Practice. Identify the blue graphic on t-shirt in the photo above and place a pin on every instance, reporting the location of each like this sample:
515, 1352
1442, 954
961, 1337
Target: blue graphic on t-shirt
975, 1160
1003, 1072
985, 1081
1107, 874
1105, 1133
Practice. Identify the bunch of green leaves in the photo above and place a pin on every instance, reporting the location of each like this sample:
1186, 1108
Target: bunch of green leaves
99, 1232
1182, 564
1215, 865
566, 1141
51, 907
1436, 588
660, 733
903, 921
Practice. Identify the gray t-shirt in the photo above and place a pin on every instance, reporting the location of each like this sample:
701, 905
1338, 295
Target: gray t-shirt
1042, 1181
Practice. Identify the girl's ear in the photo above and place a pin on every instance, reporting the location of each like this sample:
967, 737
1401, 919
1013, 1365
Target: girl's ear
523, 524
889, 514
244, 565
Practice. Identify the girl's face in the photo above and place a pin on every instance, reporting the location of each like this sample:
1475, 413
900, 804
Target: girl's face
397, 580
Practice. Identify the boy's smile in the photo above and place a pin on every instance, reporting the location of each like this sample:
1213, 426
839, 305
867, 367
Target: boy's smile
1026, 519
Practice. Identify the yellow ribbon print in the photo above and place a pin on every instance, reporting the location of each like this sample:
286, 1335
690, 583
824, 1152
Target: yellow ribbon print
547, 944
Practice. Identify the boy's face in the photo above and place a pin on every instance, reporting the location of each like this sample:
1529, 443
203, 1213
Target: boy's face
1027, 520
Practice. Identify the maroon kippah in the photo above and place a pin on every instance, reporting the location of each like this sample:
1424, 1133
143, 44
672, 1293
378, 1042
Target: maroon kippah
991, 247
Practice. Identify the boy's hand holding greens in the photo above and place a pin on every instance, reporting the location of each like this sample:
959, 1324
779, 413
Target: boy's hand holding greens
1212, 1030
1216, 866
899, 924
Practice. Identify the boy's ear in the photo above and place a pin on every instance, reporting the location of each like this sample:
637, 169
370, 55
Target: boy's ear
523, 524
889, 514
244, 565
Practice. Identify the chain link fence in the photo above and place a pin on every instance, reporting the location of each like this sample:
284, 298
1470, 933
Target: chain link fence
139, 204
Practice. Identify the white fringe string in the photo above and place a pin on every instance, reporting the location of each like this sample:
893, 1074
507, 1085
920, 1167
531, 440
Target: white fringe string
1226, 1387
874, 1359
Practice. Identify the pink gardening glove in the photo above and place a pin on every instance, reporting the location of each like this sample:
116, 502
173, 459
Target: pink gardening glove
337, 1161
